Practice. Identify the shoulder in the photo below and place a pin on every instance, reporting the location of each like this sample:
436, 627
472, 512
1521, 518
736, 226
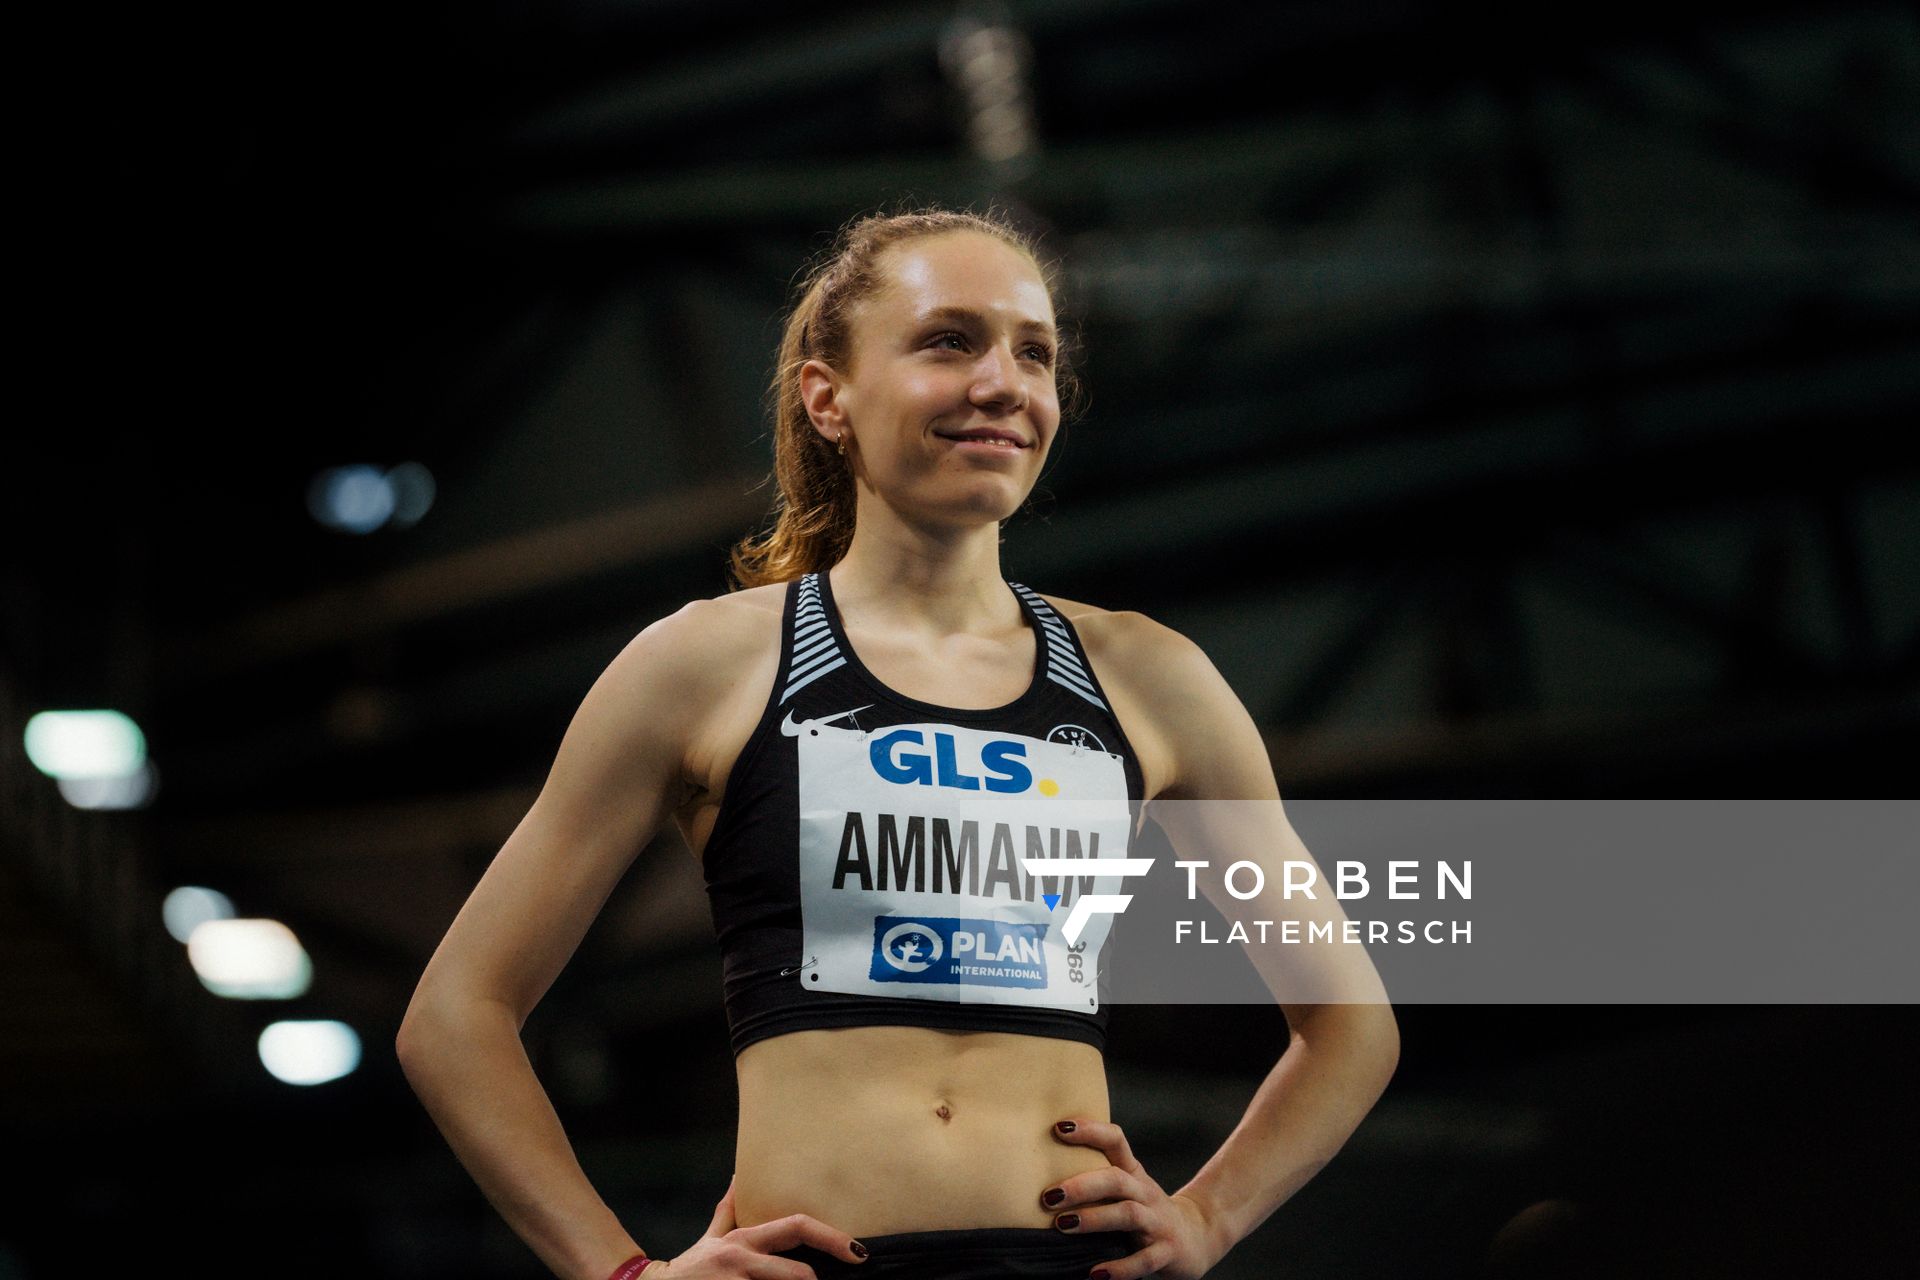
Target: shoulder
737, 617
1188, 716
678, 688
704, 646
1151, 657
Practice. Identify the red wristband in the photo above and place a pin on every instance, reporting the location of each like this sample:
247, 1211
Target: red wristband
631, 1267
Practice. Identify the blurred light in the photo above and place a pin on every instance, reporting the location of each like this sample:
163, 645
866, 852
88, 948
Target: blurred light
362, 498
133, 791
85, 744
988, 61
355, 499
309, 1052
249, 959
413, 491
190, 906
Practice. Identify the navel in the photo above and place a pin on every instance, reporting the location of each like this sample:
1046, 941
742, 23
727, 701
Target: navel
944, 1111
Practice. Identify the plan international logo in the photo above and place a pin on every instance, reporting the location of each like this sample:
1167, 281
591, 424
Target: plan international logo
949, 949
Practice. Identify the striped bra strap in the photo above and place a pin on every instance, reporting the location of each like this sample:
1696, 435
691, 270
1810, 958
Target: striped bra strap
815, 652
1064, 664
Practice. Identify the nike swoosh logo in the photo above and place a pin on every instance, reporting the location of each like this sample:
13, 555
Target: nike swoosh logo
791, 727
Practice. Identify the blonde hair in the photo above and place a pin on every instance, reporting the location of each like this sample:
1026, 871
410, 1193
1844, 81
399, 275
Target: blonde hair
812, 520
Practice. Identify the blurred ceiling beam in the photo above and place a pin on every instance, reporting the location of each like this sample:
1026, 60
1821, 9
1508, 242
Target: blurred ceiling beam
1676, 735
662, 526
788, 62
436, 826
1299, 151
1510, 490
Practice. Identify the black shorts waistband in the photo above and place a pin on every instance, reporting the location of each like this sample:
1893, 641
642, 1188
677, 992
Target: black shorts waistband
1039, 1252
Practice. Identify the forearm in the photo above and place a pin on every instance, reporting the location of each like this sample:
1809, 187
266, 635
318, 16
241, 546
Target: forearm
471, 1071
1331, 1074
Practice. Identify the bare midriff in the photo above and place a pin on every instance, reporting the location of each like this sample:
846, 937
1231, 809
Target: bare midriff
881, 1130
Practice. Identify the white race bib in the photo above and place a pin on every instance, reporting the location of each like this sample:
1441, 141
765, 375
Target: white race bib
911, 840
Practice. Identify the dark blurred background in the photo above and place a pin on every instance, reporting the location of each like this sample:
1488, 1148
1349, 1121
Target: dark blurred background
1514, 402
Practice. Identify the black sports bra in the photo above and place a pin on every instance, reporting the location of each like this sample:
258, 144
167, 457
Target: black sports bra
866, 866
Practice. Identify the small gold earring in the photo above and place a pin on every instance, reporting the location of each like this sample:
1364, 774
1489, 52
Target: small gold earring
840, 441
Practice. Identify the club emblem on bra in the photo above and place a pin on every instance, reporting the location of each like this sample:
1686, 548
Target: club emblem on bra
1076, 736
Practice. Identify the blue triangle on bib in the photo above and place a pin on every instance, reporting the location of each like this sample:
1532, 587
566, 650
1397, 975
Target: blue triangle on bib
1052, 899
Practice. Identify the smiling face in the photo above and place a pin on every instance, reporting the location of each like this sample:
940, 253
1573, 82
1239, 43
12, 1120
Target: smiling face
950, 396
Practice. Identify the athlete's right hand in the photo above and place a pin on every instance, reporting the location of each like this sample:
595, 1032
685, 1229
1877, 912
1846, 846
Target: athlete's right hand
731, 1252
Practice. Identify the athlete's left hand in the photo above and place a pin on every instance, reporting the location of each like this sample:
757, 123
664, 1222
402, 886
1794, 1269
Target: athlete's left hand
1177, 1240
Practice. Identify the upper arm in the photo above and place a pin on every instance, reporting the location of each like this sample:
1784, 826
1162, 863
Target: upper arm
1200, 736
618, 774
1222, 806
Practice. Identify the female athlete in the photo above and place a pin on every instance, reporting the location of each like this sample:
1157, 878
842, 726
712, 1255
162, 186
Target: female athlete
858, 744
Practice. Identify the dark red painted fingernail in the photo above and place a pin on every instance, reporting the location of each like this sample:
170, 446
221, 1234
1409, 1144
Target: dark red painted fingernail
859, 1250
1053, 1197
1065, 1126
1067, 1221
1101, 1274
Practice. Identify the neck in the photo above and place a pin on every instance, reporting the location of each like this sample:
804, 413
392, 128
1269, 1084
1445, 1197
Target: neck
912, 580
